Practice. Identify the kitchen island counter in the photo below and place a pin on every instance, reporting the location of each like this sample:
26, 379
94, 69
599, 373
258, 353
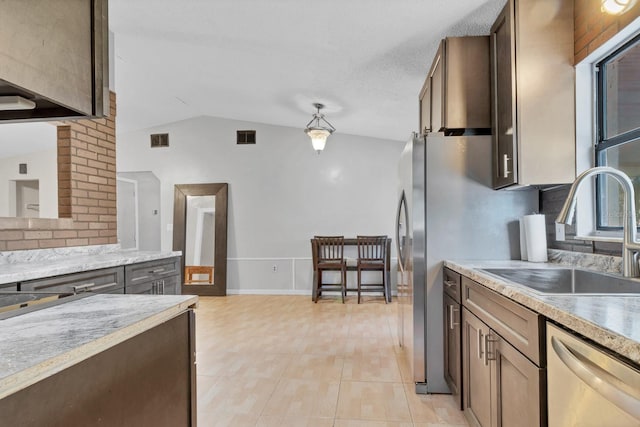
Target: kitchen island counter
609, 320
41, 343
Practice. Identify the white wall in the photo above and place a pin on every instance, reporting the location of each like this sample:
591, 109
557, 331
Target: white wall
281, 192
41, 165
148, 208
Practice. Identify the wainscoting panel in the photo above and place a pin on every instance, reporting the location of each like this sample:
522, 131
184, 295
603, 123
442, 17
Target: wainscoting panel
285, 276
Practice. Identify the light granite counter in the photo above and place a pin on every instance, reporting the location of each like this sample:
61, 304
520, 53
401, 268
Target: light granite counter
27, 265
36, 345
611, 321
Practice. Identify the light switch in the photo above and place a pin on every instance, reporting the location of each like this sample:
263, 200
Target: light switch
559, 232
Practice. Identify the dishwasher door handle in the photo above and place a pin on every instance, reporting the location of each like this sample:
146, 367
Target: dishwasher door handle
598, 379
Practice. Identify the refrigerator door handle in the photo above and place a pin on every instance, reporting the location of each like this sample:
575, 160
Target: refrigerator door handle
399, 222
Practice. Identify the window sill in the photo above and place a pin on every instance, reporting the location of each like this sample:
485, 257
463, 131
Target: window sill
611, 238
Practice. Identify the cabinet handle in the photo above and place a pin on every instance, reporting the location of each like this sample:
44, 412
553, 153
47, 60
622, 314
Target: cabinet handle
154, 287
487, 357
449, 283
105, 286
480, 352
505, 166
162, 283
452, 310
82, 288
157, 270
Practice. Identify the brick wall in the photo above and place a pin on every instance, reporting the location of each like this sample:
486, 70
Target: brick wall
592, 27
86, 189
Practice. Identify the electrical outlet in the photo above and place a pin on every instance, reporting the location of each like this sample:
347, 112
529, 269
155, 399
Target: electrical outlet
559, 232
275, 268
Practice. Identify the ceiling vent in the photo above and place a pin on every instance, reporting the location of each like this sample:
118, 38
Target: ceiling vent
246, 137
159, 140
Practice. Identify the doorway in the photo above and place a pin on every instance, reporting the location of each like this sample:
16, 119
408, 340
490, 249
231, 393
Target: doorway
27, 198
127, 199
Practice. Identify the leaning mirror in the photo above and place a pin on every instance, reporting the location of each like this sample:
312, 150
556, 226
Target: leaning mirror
200, 232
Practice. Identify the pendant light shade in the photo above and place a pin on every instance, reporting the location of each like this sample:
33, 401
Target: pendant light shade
319, 129
617, 7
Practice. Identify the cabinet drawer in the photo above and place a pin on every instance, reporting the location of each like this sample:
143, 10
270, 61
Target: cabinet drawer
451, 282
9, 287
515, 323
151, 270
108, 280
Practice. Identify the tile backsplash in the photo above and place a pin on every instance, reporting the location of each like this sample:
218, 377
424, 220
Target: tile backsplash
551, 201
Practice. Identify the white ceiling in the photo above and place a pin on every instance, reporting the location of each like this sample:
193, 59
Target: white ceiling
269, 61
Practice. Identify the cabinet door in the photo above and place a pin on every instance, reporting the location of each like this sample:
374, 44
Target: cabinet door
170, 286
149, 287
518, 384
476, 384
436, 75
425, 107
452, 341
503, 120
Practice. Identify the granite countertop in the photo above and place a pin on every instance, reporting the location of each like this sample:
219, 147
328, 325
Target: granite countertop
611, 321
36, 345
54, 264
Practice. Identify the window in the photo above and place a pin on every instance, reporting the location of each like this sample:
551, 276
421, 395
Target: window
618, 133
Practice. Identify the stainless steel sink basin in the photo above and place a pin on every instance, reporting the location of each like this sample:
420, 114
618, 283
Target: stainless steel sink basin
568, 281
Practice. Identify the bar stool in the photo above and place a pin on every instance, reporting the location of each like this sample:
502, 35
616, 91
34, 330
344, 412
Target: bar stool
372, 256
328, 254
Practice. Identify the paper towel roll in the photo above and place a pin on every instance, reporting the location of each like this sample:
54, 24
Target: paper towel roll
536, 237
523, 241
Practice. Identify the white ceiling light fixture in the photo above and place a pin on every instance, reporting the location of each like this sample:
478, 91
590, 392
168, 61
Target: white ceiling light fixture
319, 132
617, 7
16, 103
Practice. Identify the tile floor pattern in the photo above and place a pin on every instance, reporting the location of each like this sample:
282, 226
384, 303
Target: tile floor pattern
266, 361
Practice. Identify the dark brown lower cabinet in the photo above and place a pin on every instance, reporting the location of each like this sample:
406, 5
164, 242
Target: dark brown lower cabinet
452, 347
148, 380
502, 387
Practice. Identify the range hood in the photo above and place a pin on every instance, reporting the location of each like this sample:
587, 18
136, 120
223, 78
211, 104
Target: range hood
53, 59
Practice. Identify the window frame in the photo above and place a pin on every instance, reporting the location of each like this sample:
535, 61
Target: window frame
602, 144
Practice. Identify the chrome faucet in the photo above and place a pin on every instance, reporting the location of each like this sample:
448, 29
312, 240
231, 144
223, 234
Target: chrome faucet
630, 247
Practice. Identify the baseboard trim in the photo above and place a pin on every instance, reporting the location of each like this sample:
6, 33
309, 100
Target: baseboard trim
306, 292
268, 292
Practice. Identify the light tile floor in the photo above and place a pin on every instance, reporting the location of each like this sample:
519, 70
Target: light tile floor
266, 361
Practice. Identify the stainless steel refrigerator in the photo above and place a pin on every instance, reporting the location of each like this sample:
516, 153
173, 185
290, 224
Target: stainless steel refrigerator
447, 210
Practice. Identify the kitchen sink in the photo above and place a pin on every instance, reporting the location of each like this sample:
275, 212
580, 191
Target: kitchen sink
568, 281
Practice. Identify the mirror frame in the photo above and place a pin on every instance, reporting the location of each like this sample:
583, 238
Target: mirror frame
220, 190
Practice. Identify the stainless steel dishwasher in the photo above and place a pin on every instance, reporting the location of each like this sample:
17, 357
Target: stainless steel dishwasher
588, 387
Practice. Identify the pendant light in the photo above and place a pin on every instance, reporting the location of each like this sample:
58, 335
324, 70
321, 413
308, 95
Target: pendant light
617, 7
317, 131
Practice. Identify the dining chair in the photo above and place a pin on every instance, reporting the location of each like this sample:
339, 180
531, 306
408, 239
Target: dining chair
328, 254
372, 256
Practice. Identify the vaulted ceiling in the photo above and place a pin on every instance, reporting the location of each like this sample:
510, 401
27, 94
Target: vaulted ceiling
269, 61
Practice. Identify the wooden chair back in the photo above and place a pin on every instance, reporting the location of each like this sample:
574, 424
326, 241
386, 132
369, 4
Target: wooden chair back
372, 249
329, 248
